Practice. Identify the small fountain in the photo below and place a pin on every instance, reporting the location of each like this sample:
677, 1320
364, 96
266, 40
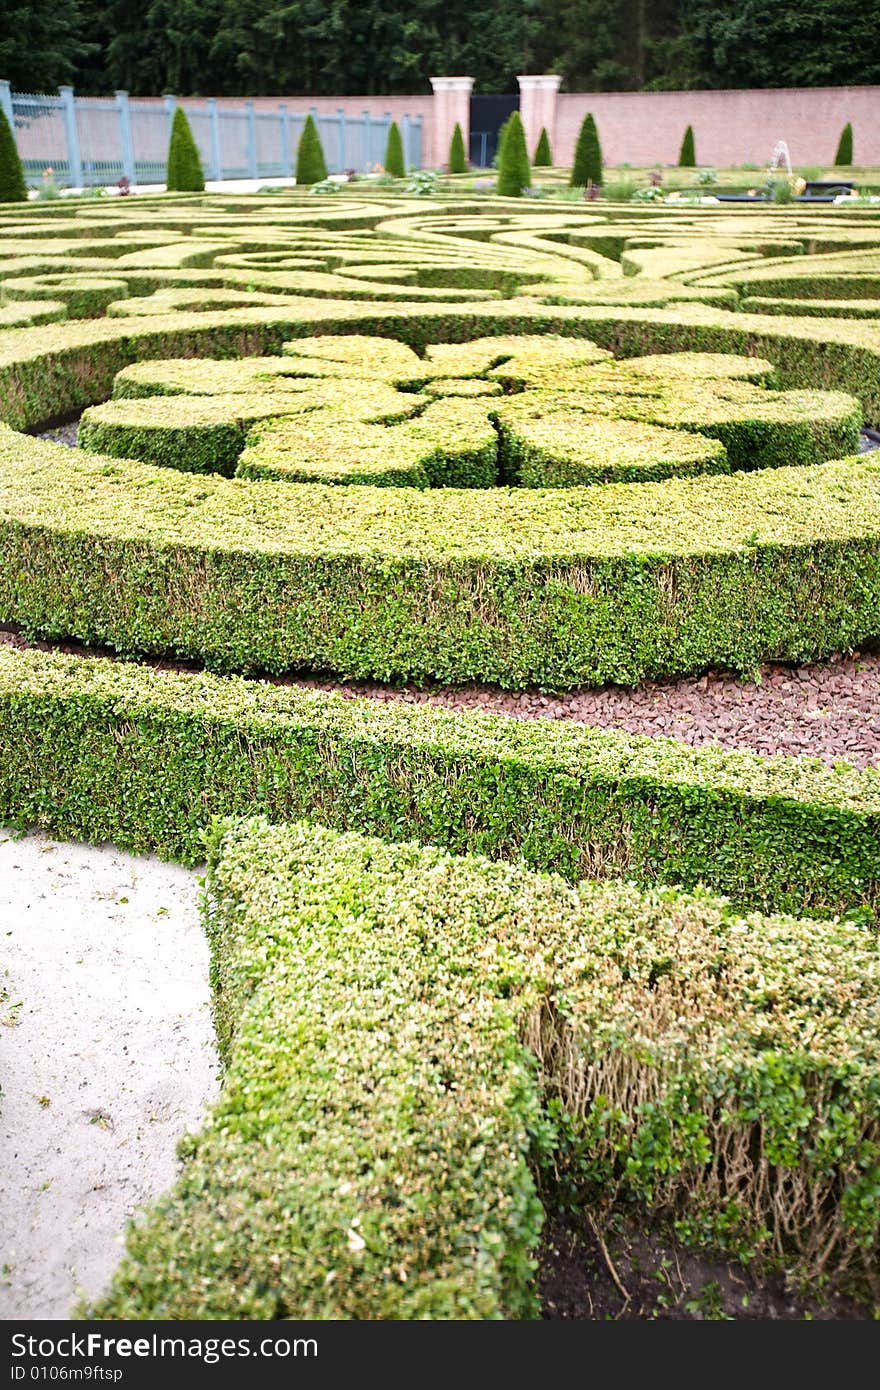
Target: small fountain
780, 158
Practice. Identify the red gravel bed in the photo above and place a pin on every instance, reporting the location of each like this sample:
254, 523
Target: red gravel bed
829, 711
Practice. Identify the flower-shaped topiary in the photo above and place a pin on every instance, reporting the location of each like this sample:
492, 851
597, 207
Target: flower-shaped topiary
517, 411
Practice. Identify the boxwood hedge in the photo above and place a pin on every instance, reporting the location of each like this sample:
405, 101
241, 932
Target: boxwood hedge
509, 585
719, 1071
105, 750
578, 416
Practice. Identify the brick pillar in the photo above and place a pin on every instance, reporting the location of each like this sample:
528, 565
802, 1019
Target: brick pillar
451, 105
537, 108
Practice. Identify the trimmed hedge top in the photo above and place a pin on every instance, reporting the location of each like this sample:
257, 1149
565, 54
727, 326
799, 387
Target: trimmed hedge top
572, 421
412, 581
101, 750
716, 1069
51, 487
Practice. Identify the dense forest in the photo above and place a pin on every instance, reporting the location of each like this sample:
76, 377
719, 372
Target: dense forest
318, 47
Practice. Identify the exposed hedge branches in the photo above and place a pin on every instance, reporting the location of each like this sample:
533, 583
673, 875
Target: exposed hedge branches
720, 1071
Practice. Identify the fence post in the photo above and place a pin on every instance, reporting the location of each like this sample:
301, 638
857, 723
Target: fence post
214, 129
169, 102
251, 138
74, 163
343, 162
6, 104
125, 140
404, 134
368, 153
286, 166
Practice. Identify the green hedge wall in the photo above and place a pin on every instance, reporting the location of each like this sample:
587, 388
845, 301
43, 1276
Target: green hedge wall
43, 374
113, 751
572, 406
546, 590
651, 1048
515, 586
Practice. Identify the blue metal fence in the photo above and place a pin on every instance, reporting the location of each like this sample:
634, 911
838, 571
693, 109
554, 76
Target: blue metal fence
87, 141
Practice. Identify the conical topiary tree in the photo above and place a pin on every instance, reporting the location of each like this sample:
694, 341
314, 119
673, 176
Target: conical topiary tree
587, 167
543, 158
457, 157
311, 166
844, 154
13, 188
184, 161
394, 161
687, 158
514, 173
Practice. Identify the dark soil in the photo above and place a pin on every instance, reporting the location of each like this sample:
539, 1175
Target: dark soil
662, 1280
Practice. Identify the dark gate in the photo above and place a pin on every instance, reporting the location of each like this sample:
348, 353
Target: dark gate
488, 115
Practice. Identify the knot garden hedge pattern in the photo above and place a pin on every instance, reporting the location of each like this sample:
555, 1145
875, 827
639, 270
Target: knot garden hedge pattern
460, 442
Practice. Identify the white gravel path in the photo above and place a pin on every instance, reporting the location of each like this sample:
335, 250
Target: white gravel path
106, 1057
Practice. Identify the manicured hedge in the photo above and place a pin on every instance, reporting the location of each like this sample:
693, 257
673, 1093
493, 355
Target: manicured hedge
457, 162
395, 163
311, 166
562, 445
720, 1071
516, 586
450, 444
107, 751
583, 417
44, 374
543, 589
815, 308
855, 285
543, 157
587, 166
22, 313
13, 188
86, 296
184, 172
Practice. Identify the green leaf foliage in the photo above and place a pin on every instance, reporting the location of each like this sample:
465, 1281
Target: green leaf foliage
687, 157
574, 589
184, 173
242, 48
102, 750
310, 163
587, 166
13, 188
514, 173
394, 160
543, 156
586, 1042
844, 156
457, 158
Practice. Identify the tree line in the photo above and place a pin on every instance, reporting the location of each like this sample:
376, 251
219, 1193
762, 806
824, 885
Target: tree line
372, 47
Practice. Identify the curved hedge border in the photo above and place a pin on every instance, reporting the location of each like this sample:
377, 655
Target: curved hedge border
103, 750
46, 372
548, 591
516, 586
652, 1048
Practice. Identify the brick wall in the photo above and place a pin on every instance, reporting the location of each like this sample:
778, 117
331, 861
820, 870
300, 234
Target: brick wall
730, 128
